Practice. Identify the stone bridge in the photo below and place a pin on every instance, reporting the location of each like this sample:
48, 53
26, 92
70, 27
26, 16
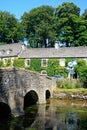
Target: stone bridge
20, 88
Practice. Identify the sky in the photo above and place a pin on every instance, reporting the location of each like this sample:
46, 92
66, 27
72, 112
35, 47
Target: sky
18, 7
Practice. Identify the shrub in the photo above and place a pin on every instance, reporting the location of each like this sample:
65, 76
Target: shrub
68, 84
8, 63
59, 83
1, 63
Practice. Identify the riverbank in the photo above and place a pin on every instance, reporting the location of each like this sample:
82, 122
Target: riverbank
78, 94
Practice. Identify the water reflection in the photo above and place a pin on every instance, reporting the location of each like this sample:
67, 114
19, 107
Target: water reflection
30, 115
58, 115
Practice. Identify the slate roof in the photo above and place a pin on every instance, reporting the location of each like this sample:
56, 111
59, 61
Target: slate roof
64, 52
10, 50
17, 50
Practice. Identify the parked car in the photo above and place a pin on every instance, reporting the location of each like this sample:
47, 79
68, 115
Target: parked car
58, 76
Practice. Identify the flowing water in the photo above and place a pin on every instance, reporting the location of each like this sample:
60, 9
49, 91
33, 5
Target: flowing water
55, 115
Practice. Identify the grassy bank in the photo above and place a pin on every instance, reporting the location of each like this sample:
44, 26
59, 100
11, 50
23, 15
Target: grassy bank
70, 94
74, 91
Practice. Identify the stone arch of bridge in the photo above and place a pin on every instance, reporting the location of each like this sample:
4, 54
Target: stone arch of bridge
30, 98
47, 94
5, 111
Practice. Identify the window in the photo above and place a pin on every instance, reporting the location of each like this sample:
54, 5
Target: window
62, 62
5, 60
27, 62
44, 62
9, 51
2, 52
12, 60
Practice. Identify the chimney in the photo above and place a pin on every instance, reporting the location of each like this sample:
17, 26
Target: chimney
23, 47
56, 45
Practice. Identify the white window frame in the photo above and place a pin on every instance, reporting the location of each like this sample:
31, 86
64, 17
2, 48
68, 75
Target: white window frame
42, 62
5, 60
27, 62
12, 60
62, 62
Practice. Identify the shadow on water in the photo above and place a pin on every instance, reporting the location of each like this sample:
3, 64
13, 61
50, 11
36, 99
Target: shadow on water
30, 115
56, 115
5, 116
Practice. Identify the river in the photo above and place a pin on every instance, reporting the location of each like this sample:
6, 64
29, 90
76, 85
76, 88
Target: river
55, 115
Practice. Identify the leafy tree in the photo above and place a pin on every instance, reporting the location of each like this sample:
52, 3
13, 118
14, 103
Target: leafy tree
39, 25
70, 26
10, 28
84, 15
81, 70
84, 33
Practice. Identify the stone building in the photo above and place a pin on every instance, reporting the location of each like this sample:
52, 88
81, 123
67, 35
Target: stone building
18, 50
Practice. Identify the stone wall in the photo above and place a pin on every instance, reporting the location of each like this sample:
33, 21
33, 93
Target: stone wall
16, 83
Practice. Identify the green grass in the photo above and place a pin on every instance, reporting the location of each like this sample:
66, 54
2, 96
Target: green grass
76, 90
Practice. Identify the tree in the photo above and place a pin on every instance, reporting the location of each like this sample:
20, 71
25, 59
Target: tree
83, 37
84, 15
83, 75
10, 28
39, 25
81, 70
70, 26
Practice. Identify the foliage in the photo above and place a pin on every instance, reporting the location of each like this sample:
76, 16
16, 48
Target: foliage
84, 16
67, 60
68, 84
1, 63
9, 62
83, 75
81, 70
39, 25
10, 29
19, 63
35, 65
53, 67
80, 64
71, 28
45, 24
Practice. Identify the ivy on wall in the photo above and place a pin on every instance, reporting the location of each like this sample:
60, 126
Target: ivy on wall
35, 65
9, 62
19, 63
53, 67
67, 60
1, 63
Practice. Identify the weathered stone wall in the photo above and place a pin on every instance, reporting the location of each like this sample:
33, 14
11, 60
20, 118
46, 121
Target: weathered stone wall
16, 83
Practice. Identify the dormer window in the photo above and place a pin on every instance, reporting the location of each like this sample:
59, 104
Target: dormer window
9, 51
2, 52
